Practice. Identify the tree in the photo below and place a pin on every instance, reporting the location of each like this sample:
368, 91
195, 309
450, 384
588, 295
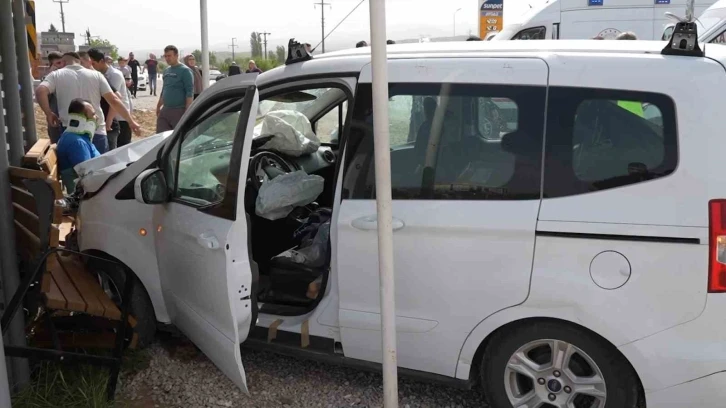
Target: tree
256, 45
281, 54
52, 29
100, 42
272, 56
198, 56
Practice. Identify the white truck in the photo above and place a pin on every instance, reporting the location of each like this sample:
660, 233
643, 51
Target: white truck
584, 19
711, 25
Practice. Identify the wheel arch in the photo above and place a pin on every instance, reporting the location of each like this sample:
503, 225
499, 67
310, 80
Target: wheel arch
157, 301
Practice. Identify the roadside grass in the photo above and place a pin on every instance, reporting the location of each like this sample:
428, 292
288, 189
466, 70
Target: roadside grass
74, 386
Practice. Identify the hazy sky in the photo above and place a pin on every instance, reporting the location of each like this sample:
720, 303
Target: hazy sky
153, 24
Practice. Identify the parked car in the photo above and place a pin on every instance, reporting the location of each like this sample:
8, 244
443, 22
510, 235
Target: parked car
552, 244
143, 81
711, 25
214, 74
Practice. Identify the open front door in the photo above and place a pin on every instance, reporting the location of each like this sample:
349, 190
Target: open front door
201, 232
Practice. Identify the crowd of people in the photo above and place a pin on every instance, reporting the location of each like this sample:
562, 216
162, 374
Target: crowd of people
87, 107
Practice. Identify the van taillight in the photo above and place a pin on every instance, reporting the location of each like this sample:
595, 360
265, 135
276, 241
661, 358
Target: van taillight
717, 246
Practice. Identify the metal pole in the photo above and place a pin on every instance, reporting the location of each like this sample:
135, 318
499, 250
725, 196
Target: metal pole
381, 142
9, 275
458, 10
205, 43
10, 84
26, 79
4, 383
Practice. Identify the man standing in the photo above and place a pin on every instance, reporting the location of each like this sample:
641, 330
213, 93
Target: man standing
234, 69
252, 68
73, 82
177, 92
151, 65
134, 65
55, 59
85, 60
116, 79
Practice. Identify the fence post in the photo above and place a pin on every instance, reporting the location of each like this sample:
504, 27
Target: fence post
9, 276
10, 84
24, 73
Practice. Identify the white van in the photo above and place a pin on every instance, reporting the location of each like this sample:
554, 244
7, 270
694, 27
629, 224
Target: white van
559, 228
585, 19
711, 25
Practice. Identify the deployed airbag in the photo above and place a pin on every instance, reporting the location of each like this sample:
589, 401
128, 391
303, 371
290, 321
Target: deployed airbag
279, 196
292, 133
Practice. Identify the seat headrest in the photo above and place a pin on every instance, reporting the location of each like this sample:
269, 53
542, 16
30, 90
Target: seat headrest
521, 143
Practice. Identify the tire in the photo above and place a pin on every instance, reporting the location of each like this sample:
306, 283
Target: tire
591, 357
113, 277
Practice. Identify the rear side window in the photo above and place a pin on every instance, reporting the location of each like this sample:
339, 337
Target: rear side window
452, 142
602, 139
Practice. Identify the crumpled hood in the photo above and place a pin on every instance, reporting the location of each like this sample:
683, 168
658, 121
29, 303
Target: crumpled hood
95, 172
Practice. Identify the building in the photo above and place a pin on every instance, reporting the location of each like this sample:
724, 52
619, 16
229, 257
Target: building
56, 41
104, 50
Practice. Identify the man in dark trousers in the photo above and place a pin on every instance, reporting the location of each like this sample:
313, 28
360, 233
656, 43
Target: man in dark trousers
134, 64
234, 69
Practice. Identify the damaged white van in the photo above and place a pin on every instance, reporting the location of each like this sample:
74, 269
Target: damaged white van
558, 224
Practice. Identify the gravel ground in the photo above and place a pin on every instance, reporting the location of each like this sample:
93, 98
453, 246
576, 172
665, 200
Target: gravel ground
180, 376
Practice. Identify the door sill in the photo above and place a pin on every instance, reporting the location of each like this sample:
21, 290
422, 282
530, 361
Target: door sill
322, 349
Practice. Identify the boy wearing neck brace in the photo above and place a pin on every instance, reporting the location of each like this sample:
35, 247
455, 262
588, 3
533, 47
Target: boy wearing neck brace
74, 145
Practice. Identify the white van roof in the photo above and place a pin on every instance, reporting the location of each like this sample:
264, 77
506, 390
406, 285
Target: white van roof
353, 60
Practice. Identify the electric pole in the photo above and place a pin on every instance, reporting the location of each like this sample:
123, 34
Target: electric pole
233, 45
265, 43
63, 16
322, 5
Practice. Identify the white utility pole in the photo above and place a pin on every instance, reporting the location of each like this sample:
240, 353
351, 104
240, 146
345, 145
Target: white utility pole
381, 142
205, 43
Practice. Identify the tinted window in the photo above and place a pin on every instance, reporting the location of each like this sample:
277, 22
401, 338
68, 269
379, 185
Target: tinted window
536, 33
452, 141
599, 139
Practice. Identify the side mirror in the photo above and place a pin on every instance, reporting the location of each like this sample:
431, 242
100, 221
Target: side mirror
150, 187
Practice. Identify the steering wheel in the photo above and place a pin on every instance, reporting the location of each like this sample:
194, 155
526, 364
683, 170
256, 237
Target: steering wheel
266, 166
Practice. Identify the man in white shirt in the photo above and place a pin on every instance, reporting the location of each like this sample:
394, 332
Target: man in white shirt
73, 82
118, 83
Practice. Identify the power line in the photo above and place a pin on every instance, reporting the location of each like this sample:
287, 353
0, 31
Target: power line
264, 42
233, 45
336, 27
63, 16
322, 5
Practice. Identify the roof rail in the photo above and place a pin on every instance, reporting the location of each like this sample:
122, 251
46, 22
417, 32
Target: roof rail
297, 52
684, 40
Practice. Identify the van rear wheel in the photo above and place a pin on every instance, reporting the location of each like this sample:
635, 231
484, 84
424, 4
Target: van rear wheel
554, 365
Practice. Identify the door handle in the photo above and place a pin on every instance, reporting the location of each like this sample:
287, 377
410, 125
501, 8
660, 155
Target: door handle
370, 223
207, 240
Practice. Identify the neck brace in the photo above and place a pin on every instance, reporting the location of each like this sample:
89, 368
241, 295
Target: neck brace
80, 125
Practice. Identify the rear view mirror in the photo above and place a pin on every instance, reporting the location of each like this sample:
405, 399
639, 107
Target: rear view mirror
150, 187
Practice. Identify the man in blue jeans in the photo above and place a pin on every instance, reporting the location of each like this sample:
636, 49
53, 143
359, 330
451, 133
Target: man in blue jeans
74, 146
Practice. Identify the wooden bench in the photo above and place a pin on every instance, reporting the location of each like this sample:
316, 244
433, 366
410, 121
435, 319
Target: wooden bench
63, 285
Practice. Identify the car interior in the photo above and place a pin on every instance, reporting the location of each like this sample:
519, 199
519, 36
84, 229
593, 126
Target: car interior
293, 251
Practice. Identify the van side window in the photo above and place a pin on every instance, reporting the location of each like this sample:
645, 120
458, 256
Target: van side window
719, 39
452, 142
535, 33
600, 139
